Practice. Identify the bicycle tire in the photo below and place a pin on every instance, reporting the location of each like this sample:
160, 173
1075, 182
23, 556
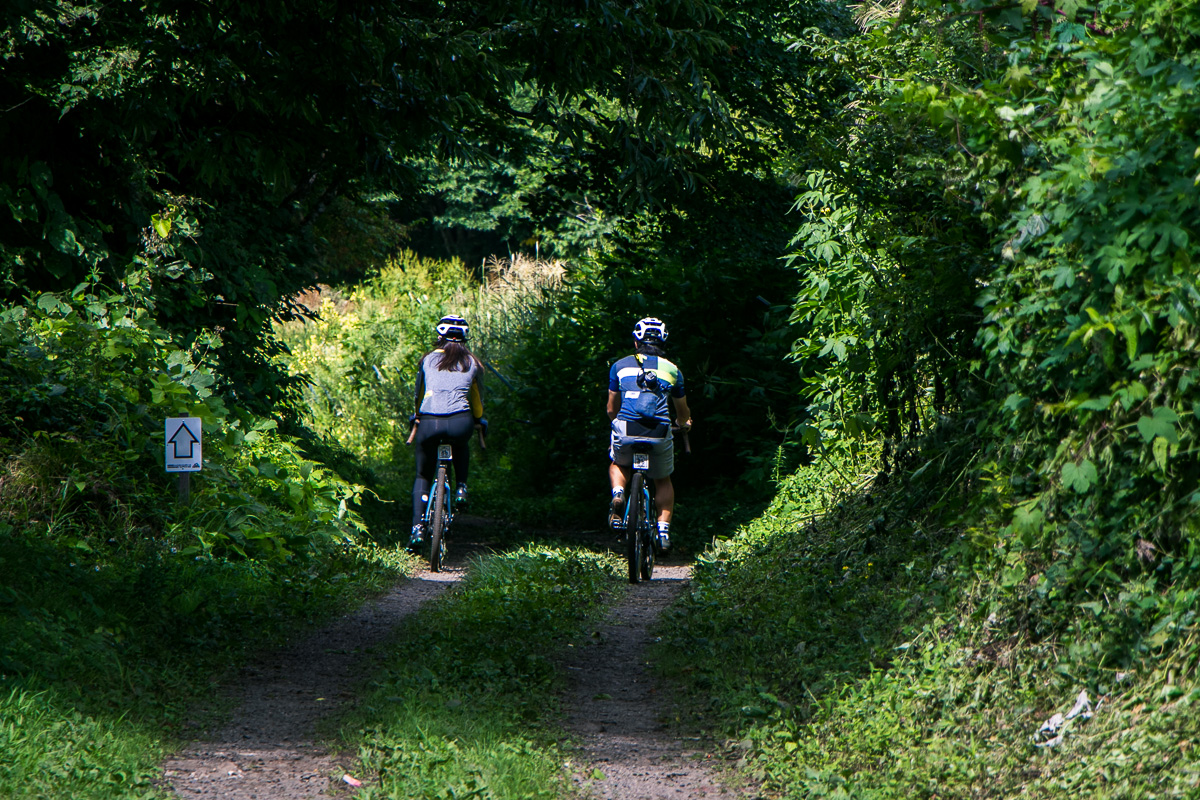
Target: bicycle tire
650, 528
437, 531
633, 533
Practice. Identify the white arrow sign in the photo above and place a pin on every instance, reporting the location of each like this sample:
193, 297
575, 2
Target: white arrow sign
183, 444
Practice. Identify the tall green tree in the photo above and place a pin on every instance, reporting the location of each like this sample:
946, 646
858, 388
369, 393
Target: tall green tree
198, 146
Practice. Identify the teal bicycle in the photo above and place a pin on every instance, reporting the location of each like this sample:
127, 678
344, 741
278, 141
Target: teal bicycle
640, 521
439, 511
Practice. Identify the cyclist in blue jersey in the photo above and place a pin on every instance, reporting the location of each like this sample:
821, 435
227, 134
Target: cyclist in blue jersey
449, 407
639, 386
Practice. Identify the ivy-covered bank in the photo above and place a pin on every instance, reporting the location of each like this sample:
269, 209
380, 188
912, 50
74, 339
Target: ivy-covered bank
997, 310
858, 646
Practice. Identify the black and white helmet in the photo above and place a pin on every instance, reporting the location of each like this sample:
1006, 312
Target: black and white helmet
650, 329
452, 328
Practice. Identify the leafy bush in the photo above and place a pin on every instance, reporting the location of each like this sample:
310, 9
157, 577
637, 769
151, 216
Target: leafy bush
1037, 537
1073, 386
1089, 336
119, 603
83, 399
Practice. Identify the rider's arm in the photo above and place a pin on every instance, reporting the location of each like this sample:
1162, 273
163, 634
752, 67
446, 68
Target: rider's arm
683, 415
475, 398
420, 388
614, 392
614, 404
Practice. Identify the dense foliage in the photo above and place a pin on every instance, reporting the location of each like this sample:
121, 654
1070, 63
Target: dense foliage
119, 603
358, 349
976, 331
1090, 333
85, 392
710, 267
226, 149
1019, 352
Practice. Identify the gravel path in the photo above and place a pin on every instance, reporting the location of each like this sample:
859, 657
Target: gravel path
267, 750
620, 715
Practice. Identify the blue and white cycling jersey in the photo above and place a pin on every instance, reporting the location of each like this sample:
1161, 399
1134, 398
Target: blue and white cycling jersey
623, 378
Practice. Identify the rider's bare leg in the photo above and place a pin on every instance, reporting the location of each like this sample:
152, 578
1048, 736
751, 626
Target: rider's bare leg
618, 476
664, 496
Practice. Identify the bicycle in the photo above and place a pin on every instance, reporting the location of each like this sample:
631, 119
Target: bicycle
439, 508
640, 521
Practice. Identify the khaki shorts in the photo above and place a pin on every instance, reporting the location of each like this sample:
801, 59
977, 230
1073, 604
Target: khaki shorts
662, 450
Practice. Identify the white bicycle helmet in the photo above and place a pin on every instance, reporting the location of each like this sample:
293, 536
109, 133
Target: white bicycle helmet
452, 328
650, 329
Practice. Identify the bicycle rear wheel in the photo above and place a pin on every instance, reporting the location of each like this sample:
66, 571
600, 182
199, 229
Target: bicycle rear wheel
437, 544
633, 533
647, 534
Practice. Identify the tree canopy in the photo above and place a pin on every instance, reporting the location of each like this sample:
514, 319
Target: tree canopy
198, 149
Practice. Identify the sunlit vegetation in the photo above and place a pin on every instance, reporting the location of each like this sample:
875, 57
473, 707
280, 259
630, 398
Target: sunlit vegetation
358, 346
930, 274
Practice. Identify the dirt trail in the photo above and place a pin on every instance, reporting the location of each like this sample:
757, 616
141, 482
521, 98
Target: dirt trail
621, 715
266, 751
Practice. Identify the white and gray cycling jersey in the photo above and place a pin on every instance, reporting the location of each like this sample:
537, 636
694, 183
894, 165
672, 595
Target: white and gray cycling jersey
447, 391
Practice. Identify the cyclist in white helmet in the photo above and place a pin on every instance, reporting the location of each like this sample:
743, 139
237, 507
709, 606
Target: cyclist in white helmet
639, 386
448, 408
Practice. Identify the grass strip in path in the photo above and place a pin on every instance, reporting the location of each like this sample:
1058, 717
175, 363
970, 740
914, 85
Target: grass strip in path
464, 707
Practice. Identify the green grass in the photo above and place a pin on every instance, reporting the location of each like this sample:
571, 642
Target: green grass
466, 705
104, 653
50, 749
862, 648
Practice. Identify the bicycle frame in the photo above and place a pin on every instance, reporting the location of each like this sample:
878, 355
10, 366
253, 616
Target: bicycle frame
439, 507
445, 459
639, 537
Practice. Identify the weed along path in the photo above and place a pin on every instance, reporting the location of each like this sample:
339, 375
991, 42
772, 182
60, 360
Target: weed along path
267, 750
619, 714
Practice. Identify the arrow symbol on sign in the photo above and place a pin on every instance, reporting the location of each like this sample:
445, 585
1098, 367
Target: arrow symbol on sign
181, 442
